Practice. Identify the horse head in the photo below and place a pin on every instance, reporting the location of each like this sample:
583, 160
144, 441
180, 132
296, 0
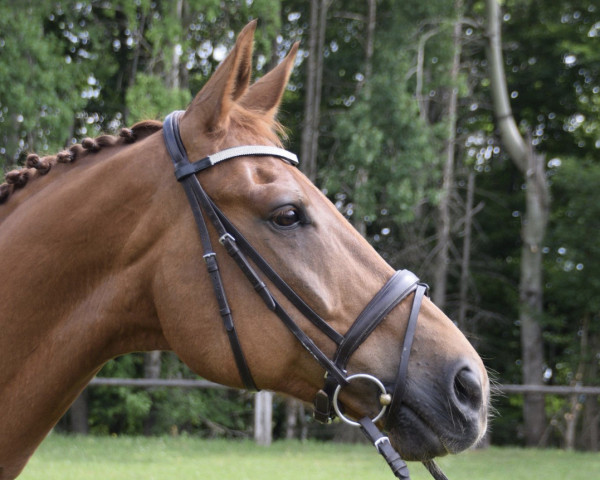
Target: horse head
332, 269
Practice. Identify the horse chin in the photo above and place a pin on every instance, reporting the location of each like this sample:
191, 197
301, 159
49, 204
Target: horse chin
418, 438
414, 438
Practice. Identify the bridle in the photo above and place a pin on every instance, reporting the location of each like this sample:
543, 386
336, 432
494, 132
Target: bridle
402, 284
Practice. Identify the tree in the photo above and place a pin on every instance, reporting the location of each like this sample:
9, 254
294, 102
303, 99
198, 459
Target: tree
375, 175
532, 166
40, 88
444, 219
573, 306
314, 80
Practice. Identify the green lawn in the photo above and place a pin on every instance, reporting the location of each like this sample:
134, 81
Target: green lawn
105, 458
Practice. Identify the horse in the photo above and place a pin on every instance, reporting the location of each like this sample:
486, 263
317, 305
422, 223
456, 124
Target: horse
101, 256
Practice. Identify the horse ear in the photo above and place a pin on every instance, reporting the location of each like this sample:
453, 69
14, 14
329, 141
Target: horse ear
230, 81
265, 95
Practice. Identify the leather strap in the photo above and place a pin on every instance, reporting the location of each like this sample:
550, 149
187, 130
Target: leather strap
194, 193
397, 288
384, 447
409, 335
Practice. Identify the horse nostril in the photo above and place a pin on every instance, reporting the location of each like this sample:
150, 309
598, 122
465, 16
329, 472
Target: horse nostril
467, 388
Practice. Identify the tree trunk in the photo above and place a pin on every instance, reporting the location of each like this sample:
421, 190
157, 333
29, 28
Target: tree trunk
531, 295
440, 277
463, 301
263, 418
591, 412
362, 175
591, 418
576, 406
295, 423
535, 220
314, 80
152, 365
172, 75
78, 414
369, 45
291, 418
422, 100
274, 58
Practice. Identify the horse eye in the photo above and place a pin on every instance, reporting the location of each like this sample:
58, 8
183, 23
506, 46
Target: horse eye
287, 217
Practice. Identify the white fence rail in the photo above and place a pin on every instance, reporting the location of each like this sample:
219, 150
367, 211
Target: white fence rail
263, 401
188, 383
155, 382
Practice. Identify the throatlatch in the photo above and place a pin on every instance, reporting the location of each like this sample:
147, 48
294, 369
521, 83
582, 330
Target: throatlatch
402, 284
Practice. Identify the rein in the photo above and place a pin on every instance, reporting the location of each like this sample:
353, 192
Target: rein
397, 288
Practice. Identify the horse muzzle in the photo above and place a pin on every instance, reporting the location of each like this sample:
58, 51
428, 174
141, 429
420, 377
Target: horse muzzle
438, 416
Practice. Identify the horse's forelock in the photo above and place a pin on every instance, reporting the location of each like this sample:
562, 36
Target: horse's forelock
256, 125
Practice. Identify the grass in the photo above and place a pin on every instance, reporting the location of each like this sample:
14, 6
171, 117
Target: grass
182, 458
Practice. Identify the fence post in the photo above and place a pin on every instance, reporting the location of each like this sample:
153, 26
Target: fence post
263, 414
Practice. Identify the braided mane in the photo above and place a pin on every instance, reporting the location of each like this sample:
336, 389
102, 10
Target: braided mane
37, 166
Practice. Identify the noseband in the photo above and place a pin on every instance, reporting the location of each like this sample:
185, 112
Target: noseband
402, 284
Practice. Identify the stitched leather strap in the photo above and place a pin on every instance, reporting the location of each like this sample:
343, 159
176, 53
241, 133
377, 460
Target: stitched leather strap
397, 288
411, 327
384, 447
195, 196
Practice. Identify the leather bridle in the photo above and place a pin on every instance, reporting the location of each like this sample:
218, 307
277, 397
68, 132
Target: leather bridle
399, 287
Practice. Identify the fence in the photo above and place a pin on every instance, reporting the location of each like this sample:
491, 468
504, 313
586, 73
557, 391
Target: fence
263, 401
187, 383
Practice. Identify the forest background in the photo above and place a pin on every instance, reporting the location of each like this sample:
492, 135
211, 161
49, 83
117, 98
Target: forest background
393, 110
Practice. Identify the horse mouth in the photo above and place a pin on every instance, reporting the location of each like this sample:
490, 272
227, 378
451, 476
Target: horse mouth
419, 437
414, 437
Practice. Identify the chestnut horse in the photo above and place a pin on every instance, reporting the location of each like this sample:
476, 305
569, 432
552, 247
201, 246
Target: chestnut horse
100, 256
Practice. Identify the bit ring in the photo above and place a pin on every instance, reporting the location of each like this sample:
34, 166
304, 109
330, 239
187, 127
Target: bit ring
364, 376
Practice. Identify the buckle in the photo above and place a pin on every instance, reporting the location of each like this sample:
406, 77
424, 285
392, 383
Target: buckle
377, 443
322, 407
211, 262
226, 237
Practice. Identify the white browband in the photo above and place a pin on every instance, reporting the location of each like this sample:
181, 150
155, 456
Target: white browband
250, 150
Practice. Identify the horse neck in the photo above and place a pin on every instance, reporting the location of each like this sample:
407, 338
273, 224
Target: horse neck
76, 254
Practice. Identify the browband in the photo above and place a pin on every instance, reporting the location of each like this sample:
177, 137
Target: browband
229, 153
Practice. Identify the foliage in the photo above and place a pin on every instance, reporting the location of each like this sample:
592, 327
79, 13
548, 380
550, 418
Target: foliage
148, 98
573, 267
554, 67
39, 88
119, 409
123, 410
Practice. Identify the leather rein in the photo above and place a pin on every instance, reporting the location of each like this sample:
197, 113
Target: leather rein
397, 288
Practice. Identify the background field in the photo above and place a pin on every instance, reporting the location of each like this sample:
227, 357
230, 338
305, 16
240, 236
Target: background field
122, 458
